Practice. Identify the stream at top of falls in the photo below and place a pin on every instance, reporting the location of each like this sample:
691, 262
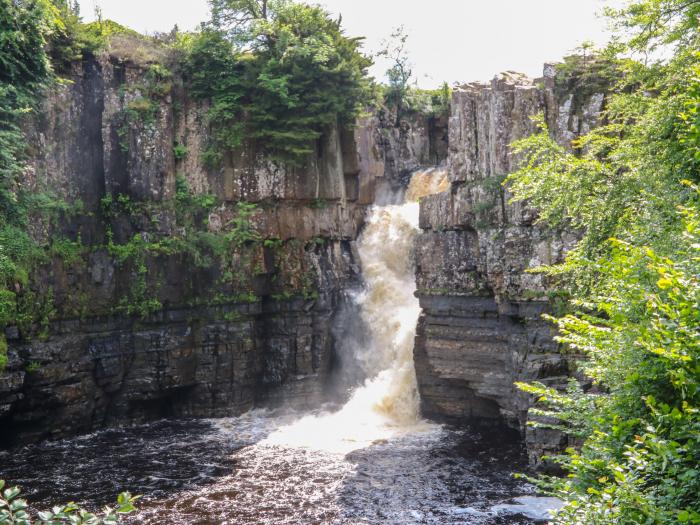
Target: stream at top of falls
372, 460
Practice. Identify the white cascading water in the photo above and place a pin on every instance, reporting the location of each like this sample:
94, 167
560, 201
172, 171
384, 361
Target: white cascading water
374, 461
386, 405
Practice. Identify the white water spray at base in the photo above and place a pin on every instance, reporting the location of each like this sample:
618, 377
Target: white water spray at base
387, 404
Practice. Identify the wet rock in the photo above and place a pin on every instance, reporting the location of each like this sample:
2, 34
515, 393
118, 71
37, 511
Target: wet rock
104, 143
481, 329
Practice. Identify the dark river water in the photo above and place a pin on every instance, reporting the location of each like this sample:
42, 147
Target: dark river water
371, 461
227, 472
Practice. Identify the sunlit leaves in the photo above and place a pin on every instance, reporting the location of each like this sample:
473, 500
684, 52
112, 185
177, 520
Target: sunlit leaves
15, 511
283, 82
630, 189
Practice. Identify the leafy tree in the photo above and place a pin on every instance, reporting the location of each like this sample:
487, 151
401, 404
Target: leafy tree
281, 74
233, 13
630, 189
399, 73
654, 23
639, 462
238, 18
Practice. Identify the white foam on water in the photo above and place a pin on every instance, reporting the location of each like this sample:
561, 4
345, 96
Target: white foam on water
387, 404
533, 507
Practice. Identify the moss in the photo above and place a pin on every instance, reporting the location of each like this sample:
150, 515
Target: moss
3, 353
314, 243
179, 151
319, 204
141, 110
273, 243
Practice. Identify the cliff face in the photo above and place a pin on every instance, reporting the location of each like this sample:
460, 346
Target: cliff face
481, 330
179, 287
175, 286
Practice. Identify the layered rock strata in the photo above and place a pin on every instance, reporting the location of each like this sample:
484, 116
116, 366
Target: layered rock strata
481, 328
178, 287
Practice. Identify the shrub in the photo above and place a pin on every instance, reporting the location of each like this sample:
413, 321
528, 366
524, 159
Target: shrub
639, 461
281, 83
630, 188
15, 511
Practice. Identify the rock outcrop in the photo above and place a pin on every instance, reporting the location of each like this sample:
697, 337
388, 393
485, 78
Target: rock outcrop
179, 287
176, 286
481, 328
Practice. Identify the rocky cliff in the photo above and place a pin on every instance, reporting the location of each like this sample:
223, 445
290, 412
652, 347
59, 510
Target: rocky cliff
177, 286
481, 328
174, 286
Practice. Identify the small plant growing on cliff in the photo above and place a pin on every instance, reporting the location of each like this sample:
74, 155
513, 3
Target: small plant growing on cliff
33, 367
179, 151
273, 243
3, 352
15, 511
241, 229
319, 204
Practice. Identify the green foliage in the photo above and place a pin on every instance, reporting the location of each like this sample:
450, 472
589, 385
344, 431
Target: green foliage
140, 299
273, 243
399, 73
141, 109
19, 253
28, 31
25, 27
588, 71
69, 41
70, 252
630, 189
241, 230
400, 94
623, 178
224, 250
280, 80
654, 23
15, 511
179, 151
3, 352
74, 39
33, 367
192, 209
433, 103
639, 462
305, 48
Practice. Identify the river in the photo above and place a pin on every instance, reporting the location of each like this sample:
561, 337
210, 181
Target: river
370, 460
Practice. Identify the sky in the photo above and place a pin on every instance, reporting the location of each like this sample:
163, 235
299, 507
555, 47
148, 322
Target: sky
449, 40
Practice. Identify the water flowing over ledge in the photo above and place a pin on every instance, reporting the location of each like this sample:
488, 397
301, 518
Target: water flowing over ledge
386, 405
374, 460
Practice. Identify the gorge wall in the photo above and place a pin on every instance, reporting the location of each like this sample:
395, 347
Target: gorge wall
175, 287
481, 328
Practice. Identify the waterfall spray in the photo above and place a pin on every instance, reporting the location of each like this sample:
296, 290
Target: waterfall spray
387, 403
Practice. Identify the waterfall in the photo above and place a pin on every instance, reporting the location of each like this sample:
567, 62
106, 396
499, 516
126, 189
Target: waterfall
386, 404
372, 461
